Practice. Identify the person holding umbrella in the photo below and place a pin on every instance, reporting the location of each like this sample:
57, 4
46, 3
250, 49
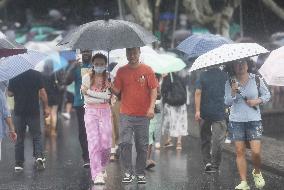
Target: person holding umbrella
138, 87
244, 96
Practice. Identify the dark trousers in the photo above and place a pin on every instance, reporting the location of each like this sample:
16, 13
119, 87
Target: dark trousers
21, 123
212, 134
80, 110
139, 127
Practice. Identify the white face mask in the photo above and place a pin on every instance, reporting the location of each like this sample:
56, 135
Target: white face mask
99, 69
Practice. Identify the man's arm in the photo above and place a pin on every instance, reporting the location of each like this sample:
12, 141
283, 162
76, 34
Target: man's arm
197, 100
153, 97
12, 132
44, 99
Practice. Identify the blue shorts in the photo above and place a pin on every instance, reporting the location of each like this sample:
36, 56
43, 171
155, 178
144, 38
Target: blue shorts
245, 131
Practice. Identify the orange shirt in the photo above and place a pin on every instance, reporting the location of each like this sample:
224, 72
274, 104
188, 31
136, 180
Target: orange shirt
135, 85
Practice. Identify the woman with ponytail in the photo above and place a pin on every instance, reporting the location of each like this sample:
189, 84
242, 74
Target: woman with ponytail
95, 89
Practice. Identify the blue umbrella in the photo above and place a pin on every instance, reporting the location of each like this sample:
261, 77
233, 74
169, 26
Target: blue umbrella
198, 44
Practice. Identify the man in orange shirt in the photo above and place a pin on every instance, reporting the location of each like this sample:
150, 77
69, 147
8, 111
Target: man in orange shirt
138, 87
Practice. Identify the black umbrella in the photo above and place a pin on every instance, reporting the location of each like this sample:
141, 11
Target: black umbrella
107, 35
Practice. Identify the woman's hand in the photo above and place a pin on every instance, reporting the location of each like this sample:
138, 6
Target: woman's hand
109, 84
84, 89
235, 88
254, 102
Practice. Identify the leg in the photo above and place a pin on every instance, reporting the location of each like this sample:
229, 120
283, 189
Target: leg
20, 125
179, 145
53, 115
125, 145
80, 111
205, 135
241, 159
141, 138
92, 132
34, 126
218, 137
256, 149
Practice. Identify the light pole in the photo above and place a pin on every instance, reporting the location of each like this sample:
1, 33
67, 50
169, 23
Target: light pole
241, 20
175, 23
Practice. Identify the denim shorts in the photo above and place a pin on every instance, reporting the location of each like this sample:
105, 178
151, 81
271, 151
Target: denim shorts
245, 131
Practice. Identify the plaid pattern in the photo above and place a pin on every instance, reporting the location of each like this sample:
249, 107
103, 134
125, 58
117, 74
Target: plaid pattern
17, 64
198, 44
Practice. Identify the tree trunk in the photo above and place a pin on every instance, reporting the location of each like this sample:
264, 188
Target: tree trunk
3, 3
141, 12
275, 8
201, 12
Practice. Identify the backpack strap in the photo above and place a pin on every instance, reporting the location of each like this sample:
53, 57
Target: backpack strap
257, 81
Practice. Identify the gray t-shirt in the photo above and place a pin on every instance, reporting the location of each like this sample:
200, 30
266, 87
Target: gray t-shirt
212, 85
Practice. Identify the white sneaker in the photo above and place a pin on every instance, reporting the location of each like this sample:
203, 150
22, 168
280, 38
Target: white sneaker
258, 180
99, 179
66, 115
243, 186
157, 145
228, 141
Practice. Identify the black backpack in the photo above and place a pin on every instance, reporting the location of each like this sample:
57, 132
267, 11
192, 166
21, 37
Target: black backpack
173, 91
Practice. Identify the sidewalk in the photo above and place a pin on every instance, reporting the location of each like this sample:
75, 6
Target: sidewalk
272, 150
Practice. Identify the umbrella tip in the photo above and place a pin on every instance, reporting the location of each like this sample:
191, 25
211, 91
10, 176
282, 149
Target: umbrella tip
106, 16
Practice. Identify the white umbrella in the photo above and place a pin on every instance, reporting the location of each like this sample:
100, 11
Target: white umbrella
160, 63
273, 68
17, 64
227, 53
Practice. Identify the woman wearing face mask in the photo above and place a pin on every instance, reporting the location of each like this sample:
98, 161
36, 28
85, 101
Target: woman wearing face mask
95, 89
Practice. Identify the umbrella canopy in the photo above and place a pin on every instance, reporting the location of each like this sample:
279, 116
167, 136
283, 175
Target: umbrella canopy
198, 44
58, 62
10, 47
160, 63
17, 64
107, 35
227, 53
273, 68
5, 43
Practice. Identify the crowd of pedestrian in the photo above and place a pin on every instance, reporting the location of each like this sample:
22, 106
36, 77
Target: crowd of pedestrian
138, 106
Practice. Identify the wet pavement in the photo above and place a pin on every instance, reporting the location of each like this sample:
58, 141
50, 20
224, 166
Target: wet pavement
175, 169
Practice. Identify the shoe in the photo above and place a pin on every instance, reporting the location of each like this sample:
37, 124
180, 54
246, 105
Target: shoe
19, 167
179, 147
112, 158
242, 186
66, 115
99, 179
258, 180
157, 145
86, 164
39, 164
150, 164
228, 141
128, 178
209, 168
168, 144
141, 179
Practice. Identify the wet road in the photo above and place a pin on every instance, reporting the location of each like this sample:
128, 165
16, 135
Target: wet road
175, 169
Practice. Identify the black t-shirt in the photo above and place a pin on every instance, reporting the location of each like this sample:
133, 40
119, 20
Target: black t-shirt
25, 88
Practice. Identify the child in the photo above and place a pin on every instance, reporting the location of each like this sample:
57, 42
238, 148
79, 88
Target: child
98, 117
155, 124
